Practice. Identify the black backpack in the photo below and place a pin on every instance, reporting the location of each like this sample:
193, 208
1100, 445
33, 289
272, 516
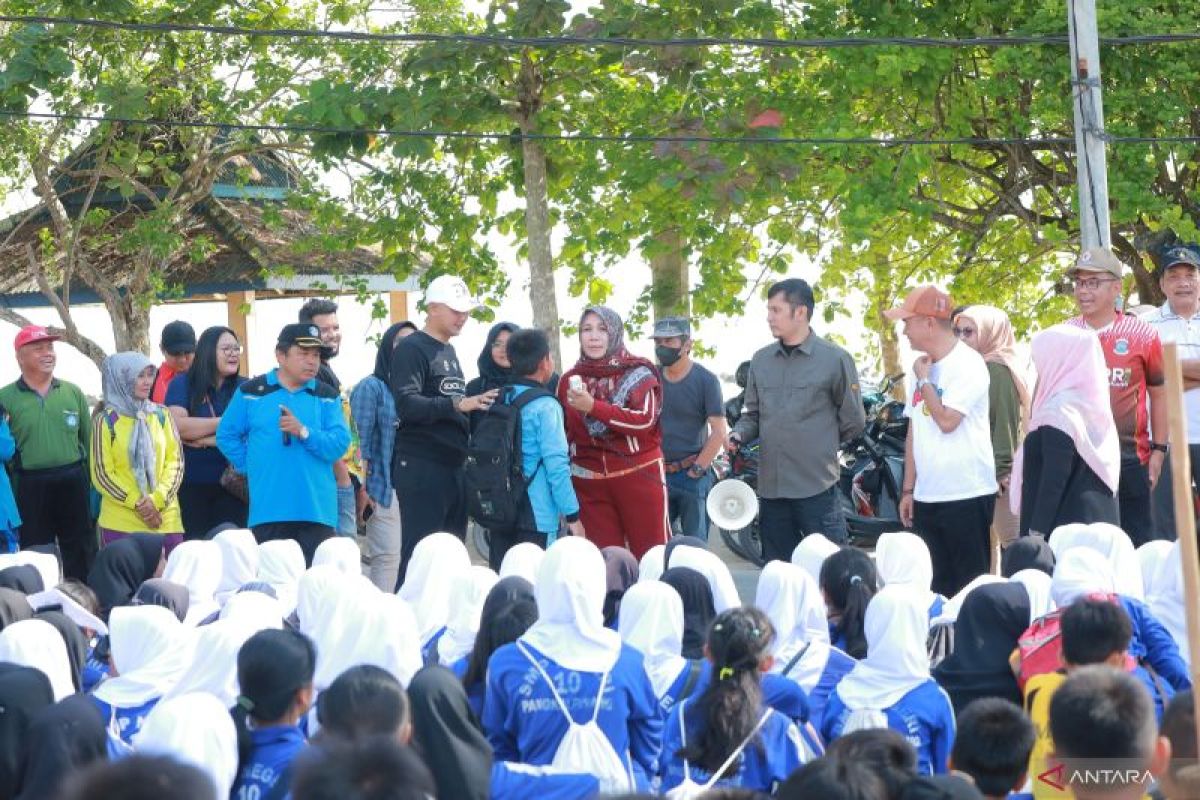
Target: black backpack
497, 492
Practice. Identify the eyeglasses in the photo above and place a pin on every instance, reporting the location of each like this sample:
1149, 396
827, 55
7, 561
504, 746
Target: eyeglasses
1091, 284
963, 333
231, 350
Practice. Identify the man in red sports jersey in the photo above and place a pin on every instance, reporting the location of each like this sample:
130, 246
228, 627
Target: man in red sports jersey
1133, 353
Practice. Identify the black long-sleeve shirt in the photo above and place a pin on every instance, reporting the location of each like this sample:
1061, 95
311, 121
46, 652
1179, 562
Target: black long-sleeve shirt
1059, 487
426, 379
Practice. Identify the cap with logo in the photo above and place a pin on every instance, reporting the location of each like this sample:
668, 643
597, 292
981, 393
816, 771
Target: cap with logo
32, 334
452, 291
301, 334
1098, 259
670, 327
1180, 255
178, 337
924, 301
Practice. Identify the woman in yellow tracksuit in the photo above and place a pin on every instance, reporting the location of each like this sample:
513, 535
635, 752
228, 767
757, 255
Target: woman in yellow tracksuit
136, 457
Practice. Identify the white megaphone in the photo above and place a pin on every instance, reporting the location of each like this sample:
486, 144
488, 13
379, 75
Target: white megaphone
732, 504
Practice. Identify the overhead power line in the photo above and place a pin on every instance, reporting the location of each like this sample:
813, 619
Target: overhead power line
593, 41
880, 141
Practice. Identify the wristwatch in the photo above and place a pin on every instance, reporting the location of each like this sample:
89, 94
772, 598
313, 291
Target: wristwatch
922, 382
303, 433
1160, 447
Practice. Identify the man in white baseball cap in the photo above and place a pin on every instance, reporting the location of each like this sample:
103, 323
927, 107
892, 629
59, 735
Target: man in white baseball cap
431, 442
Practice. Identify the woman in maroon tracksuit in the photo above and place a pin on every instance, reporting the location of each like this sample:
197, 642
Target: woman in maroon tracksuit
614, 434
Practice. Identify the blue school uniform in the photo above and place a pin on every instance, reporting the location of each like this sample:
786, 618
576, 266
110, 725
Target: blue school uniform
94, 671
924, 717
760, 768
270, 761
935, 608
476, 692
837, 664
429, 649
125, 721
522, 782
524, 723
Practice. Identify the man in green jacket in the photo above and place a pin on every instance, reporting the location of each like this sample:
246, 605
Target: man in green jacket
51, 422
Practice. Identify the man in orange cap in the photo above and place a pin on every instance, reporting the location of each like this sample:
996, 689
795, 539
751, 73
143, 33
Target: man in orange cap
949, 492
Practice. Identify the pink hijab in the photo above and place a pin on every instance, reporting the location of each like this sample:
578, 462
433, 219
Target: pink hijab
1072, 396
998, 344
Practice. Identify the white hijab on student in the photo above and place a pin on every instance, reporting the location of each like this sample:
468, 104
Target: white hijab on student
1080, 571
902, 559
280, 564
213, 668
650, 568
897, 624
466, 605
714, 570
196, 729
570, 591
196, 564
1151, 557
354, 623
150, 650
38, 644
1038, 585
1168, 600
522, 560
254, 609
791, 600
1109, 541
46, 565
397, 645
341, 552
239, 561
811, 553
651, 621
438, 562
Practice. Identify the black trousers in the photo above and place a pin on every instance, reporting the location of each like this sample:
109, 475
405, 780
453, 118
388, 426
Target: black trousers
55, 505
432, 498
783, 522
501, 541
308, 535
1133, 496
204, 506
958, 535
1164, 497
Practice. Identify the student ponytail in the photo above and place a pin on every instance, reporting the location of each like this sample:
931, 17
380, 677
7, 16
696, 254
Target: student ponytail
849, 581
501, 623
738, 641
271, 667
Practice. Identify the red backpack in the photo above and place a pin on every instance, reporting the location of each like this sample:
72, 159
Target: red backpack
1039, 648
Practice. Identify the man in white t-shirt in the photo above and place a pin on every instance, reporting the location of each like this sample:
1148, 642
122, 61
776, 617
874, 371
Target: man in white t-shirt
950, 486
1178, 321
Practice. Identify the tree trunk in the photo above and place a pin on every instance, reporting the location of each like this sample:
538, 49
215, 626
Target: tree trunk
669, 276
889, 348
541, 257
133, 329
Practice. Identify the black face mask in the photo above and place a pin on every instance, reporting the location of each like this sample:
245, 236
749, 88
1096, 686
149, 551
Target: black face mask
667, 355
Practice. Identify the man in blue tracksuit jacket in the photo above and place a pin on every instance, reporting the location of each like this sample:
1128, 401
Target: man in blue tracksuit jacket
284, 430
545, 459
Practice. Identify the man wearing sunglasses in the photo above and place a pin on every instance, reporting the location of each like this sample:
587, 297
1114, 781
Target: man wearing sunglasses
1133, 353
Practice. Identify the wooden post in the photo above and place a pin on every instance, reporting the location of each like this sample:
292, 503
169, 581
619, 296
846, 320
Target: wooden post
1185, 520
238, 306
398, 302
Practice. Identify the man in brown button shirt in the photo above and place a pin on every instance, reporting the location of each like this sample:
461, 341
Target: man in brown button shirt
802, 401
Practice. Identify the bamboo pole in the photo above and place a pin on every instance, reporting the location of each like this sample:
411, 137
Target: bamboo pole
1185, 521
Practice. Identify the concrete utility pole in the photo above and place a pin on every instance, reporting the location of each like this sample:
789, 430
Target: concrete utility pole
1088, 106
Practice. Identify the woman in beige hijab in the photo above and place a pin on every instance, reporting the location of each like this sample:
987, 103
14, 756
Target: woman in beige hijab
987, 330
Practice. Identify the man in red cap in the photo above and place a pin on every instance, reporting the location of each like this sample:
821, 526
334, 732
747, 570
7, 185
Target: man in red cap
50, 420
949, 491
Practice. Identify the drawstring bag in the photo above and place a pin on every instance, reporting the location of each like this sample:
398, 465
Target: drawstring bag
689, 789
865, 719
585, 748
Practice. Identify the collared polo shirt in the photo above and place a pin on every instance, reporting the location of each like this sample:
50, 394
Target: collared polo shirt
51, 431
802, 405
1184, 332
